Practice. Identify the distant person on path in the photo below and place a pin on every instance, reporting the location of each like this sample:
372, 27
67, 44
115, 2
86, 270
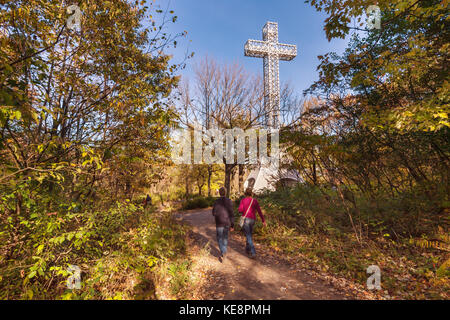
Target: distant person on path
223, 213
248, 207
147, 201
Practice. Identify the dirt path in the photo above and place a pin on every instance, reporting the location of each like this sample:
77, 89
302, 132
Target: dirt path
241, 278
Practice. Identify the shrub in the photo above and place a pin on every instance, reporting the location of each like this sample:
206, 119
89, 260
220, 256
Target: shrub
198, 203
116, 248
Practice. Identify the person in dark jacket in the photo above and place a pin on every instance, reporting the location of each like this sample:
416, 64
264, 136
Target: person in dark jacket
223, 213
147, 201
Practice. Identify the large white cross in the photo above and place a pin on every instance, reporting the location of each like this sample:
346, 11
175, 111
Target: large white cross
272, 52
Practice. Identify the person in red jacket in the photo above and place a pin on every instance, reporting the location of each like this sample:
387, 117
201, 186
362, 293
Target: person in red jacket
248, 206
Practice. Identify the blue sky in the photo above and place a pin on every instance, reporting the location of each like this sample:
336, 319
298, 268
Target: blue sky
220, 29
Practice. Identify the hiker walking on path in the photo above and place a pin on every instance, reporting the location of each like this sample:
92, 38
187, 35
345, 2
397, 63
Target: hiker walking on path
248, 207
223, 212
147, 201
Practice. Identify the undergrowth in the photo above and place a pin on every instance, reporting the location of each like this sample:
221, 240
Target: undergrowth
305, 224
122, 252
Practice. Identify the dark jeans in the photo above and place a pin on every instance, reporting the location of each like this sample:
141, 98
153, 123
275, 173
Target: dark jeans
248, 230
222, 238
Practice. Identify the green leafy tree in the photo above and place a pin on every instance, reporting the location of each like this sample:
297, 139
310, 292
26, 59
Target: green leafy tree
84, 113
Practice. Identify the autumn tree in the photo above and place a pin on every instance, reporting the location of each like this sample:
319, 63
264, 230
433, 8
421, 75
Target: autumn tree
225, 97
380, 129
85, 113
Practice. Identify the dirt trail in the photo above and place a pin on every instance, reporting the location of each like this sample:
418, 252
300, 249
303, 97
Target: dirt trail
239, 277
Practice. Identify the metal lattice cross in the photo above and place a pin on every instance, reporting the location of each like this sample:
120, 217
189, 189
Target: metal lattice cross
272, 52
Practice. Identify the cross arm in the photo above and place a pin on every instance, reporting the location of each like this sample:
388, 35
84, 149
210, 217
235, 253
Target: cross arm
287, 51
255, 48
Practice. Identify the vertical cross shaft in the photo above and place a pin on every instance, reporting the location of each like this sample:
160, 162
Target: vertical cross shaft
272, 52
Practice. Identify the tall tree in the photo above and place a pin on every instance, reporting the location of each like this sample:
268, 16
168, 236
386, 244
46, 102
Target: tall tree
227, 98
380, 128
84, 114
98, 87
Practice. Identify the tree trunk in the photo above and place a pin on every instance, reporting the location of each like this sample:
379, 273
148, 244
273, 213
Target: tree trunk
200, 187
186, 185
210, 171
228, 174
241, 179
